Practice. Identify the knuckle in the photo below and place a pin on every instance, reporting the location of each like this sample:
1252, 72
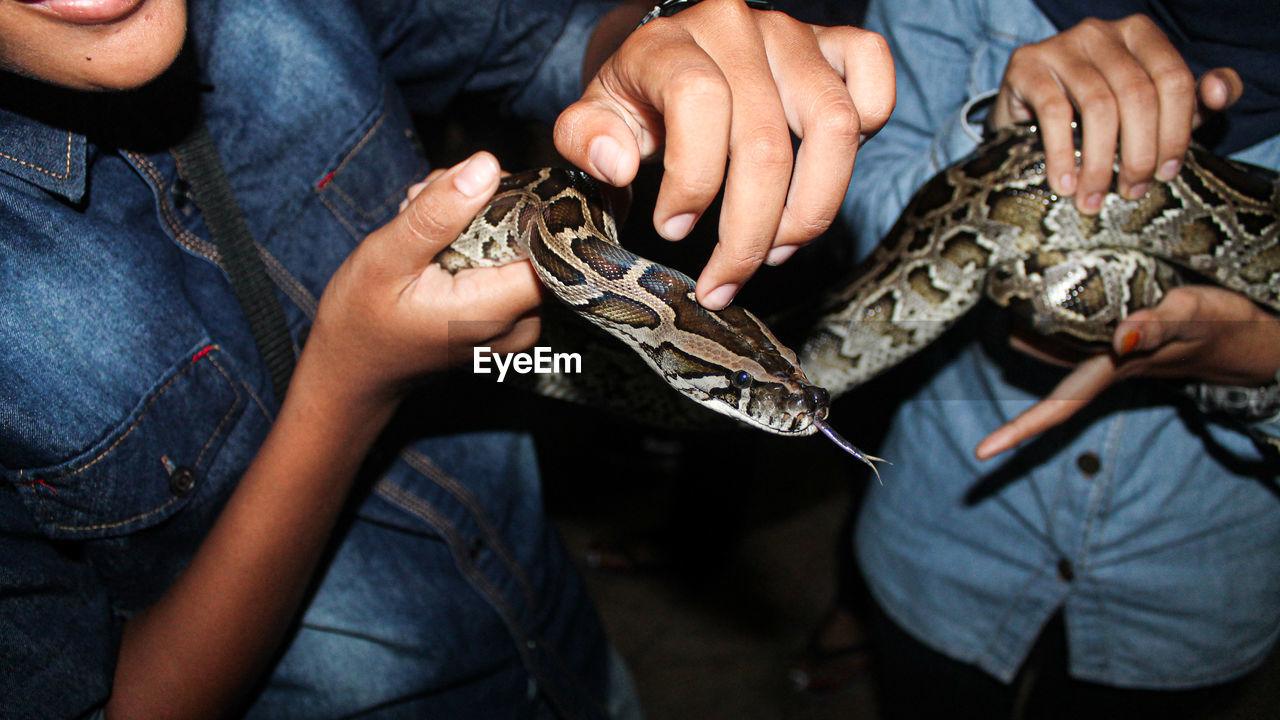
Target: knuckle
769, 149
805, 225
873, 42
693, 185
1138, 90
1136, 22
1026, 54
1056, 108
1093, 27
1175, 81
423, 220
1099, 100
1182, 304
837, 118
701, 83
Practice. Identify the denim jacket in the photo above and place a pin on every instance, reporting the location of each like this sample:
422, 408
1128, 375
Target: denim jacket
132, 397
1154, 528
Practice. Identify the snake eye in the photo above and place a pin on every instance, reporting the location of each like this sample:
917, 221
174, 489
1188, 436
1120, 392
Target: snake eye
741, 380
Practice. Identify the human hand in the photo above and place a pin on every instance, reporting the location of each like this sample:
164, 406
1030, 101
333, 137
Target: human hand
1125, 81
390, 315
1196, 332
721, 82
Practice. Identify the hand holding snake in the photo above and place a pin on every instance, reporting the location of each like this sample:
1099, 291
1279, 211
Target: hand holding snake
1132, 91
720, 82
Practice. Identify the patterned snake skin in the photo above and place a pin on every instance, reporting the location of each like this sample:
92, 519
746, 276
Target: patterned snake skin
991, 225
727, 361
988, 225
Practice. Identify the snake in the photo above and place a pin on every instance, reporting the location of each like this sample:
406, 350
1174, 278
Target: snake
988, 226
727, 360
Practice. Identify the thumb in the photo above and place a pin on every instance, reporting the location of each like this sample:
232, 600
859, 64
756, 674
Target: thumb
594, 134
1216, 90
435, 217
1147, 329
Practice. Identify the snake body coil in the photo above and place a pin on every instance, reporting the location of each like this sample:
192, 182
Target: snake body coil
727, 360
988, 225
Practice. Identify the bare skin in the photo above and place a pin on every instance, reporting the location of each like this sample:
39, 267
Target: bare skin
712, 83
689, 82
1196, 332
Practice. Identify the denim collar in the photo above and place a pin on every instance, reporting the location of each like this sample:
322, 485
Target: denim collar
47, 157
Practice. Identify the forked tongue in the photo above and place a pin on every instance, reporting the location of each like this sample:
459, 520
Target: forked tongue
848, 447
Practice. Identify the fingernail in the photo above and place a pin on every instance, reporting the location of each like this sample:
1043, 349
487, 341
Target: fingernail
1093, 203
678, 226
1129, 342
1068, 183
604, 155
474, 177
720, 298
780, 254
1139, 191
1168, 170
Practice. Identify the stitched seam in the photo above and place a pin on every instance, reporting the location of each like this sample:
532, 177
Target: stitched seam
296, 291
267, 413
425, 465
415, 505
364, 140
132, 426
66, 173
337, 213
375, 211
160, 508
217, 432
337, 189
291, 286
185, 237
154, 511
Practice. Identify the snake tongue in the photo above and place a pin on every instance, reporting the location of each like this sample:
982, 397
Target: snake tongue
847, 446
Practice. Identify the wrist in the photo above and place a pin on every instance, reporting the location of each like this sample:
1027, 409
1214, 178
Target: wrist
333, 394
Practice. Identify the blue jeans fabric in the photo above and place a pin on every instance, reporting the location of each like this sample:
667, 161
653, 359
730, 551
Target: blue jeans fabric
132, 397
1152, 527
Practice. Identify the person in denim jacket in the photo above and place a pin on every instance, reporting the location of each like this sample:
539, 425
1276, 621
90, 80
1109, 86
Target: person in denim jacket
1022, 498
177, 541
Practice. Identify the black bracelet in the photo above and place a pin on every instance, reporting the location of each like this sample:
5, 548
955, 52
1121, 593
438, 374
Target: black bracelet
667, 8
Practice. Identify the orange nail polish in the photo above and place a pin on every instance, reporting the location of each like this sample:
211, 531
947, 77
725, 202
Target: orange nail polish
1129, 342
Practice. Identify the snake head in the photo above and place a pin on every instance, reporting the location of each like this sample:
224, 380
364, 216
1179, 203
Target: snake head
785, 405
781, 401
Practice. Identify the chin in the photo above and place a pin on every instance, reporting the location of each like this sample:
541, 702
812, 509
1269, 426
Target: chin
140, 51
120, 55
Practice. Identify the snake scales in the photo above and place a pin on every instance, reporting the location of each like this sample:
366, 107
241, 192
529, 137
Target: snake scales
987, 225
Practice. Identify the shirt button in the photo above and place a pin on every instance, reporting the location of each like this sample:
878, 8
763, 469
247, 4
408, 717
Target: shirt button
1066, 573
182, 481
182, 194
475, 548
1089, 463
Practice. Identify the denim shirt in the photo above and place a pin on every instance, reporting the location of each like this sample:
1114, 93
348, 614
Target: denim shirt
1155, 529
132, 397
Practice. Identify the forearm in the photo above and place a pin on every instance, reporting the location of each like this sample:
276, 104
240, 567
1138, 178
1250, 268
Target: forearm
207, 640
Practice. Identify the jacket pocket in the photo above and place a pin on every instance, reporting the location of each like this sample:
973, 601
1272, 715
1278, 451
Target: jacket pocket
148, 467
365, 187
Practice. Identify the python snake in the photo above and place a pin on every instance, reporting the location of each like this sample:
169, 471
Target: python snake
988, 224
726, 360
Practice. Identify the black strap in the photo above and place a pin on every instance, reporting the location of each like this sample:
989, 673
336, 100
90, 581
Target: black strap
202, 167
